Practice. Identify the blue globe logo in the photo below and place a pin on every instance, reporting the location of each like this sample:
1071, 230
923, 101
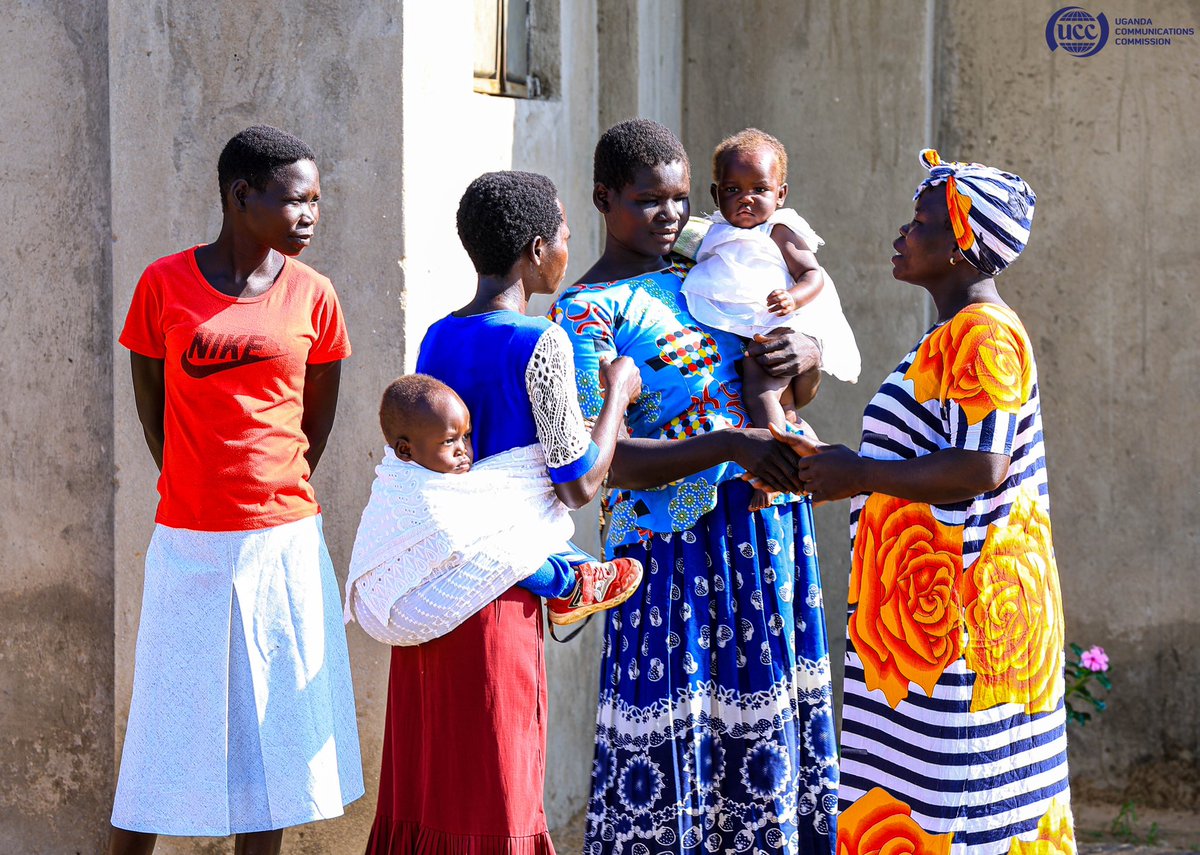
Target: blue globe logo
1076, 31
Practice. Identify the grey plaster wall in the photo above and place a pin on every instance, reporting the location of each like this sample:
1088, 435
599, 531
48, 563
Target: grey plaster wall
56, 449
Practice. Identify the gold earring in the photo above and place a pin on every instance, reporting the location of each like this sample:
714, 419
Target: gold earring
953, 261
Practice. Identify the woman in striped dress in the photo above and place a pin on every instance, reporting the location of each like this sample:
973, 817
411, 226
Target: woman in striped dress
954, 732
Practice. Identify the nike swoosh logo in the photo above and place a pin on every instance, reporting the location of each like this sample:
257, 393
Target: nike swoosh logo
201, 371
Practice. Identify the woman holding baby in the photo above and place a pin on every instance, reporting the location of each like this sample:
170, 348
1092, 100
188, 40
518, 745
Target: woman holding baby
715, 723
464, 750
715, 728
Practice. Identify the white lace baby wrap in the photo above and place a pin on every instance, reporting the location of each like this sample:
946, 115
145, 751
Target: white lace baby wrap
736, 269
433, 549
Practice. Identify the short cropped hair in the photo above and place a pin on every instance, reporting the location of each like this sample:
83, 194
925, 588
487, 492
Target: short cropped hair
501, 212
255, 154
748, 141
406, 400
628, 146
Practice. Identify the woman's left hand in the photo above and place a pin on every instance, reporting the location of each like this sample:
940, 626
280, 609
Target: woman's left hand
784, 352
827, 472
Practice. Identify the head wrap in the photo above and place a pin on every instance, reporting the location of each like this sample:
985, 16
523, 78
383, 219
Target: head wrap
990, 210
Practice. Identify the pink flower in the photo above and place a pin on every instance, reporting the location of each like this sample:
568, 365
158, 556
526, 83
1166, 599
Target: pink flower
1094, 659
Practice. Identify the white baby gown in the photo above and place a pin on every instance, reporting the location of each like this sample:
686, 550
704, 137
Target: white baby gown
736, 269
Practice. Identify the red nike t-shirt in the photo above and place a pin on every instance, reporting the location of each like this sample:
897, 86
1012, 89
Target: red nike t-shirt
233, 458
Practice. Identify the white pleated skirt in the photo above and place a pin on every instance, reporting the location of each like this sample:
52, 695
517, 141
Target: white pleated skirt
242, 716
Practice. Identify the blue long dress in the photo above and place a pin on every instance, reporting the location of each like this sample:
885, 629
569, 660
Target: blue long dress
715, 723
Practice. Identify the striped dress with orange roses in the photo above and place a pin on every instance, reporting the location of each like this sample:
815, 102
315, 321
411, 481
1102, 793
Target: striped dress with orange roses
954, 730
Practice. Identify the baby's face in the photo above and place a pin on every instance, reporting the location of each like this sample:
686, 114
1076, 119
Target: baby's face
440, 440
748, 190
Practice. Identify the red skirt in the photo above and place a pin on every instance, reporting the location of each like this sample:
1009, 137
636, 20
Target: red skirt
464, 746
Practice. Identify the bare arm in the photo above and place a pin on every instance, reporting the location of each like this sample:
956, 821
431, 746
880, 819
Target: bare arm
832, 472
642, 464
623, 384
150, 395
805, 272
321, 384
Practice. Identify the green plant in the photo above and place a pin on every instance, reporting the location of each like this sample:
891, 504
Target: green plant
1122, 824
1124, 827
1152, 835
1085, 668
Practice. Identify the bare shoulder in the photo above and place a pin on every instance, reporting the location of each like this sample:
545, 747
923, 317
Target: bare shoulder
784, 236
796, 252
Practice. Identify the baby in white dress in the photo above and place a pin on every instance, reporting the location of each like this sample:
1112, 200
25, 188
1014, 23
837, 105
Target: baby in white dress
756, 270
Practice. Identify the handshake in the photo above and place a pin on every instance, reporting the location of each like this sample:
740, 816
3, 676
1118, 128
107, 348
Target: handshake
826, 473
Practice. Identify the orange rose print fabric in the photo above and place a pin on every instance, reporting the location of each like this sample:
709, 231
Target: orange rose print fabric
953, 729
1014, 613
978, 360
908, 624
959, 206
878, 824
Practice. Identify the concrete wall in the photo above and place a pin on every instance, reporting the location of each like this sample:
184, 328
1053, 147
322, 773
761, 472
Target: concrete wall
56, 501
1105, 289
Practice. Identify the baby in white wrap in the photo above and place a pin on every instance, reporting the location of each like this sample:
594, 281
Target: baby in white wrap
756, 270
442, 537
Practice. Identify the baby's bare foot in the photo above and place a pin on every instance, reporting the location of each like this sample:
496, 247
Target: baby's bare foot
762, 499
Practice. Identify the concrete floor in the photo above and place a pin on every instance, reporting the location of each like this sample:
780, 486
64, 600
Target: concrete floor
1149, 832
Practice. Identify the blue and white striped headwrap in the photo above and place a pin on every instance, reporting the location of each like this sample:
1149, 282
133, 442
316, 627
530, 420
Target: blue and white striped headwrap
990, 210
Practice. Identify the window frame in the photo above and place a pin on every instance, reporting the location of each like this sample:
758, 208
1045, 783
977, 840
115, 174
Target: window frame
499, 84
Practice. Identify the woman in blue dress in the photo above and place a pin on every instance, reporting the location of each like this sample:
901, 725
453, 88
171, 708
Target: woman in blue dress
715, 724
464, 752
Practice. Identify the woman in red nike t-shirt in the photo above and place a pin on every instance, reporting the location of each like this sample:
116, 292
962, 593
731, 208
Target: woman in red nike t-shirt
242, 720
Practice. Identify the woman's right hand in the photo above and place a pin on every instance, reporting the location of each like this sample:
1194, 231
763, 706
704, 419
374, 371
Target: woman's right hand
828, 472
621, 377
771, 462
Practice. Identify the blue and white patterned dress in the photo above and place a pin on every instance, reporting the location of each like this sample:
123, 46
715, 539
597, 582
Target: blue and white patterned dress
715, 724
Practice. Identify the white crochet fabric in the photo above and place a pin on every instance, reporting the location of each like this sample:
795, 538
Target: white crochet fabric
736, 269
432, 549
550, 380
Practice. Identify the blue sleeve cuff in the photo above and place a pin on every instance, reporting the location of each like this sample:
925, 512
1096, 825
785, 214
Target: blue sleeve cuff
577, 469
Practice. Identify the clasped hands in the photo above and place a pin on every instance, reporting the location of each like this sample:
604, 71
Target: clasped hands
827, 473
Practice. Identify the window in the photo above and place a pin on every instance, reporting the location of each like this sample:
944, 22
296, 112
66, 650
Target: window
502, 48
